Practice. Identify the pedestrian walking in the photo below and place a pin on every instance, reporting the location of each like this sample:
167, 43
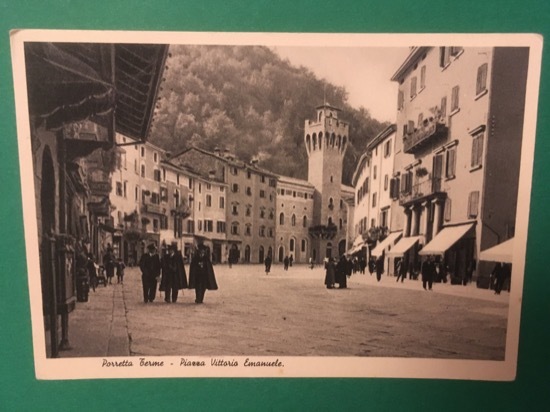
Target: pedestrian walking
109, 264
363, 265
286, 262
174, 277
311, 263
201, 273
150, 267
267, 263
330, 271
428, 273
379, 267
372, 265
120, 271
401, 270
290, 260
468, 274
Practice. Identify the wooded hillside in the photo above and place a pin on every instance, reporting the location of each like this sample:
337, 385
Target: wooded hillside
250, 101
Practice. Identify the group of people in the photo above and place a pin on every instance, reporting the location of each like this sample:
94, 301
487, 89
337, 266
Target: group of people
338, 273
174, 278
287, 261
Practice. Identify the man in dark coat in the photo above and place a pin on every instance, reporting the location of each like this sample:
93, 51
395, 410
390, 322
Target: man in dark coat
150, 271
286, 262
174, 277
201, 273
379, 267
501, 272
428, 273
267, 263
330, 278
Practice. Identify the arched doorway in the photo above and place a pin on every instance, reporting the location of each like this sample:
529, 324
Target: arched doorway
270, 252
281, 253
342, 247
314, 254
247, 254
261, 255
47, 276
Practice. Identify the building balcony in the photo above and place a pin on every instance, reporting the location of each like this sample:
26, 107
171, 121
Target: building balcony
323, 231
430, 187
152, 208
430, 130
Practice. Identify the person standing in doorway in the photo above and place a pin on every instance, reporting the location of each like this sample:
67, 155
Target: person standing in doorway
150, 271
201, 272
174, 277
267, 263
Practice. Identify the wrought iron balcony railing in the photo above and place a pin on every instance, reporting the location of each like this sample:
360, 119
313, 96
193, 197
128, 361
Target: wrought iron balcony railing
429, 130
426, 188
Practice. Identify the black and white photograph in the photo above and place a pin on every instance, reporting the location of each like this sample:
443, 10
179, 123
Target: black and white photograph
275, 205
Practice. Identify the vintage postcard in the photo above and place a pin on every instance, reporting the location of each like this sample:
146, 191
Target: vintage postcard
275, 205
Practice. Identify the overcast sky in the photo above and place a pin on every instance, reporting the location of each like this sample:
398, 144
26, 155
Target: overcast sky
365, 73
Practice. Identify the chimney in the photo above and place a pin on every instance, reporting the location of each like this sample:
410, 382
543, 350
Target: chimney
212, 174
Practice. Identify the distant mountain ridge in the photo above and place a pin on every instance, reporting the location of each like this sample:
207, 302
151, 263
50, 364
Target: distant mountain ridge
250, 101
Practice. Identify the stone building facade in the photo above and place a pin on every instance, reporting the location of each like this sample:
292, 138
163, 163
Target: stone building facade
459, 127
326, 139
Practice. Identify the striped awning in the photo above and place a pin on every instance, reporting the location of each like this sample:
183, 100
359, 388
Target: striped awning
445, 239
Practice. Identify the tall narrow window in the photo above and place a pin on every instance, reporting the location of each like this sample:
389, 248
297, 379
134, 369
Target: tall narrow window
450, 164
386, 180
422, 77
413, 87
455, 98
481, 83
473, 204
447, 214
443, 108
477, 150
374, 200
282, 219
293, 220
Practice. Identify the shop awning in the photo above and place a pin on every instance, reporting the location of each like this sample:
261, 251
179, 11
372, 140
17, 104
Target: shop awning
388, 241
404, 244
499, 253
445, 239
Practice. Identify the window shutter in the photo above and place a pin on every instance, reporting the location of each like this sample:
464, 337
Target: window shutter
481, 83
413, 87
443, 108
451, 163
423, 77
455, 98
437, 166
447, 210
400, 99
473, 204
392, 188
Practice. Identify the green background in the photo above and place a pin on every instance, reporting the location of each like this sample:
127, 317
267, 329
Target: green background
20, 391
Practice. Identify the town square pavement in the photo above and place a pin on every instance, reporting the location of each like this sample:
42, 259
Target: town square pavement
291, 313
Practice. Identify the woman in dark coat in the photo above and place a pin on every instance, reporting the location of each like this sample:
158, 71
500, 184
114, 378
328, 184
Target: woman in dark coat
174, 277
201, 273
330, 274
